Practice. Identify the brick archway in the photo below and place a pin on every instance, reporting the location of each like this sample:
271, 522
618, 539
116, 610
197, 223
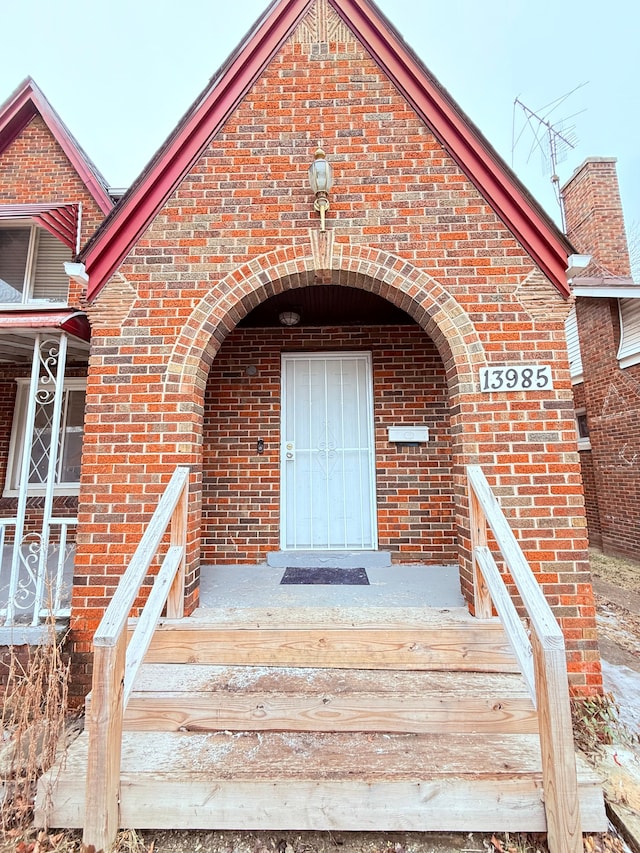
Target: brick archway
401, 283
389, 276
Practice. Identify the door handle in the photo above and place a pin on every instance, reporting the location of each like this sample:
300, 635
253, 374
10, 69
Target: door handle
289, 451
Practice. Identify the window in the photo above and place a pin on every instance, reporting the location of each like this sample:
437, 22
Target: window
573, 347
582, 428
629, 350
32, 266
67, 477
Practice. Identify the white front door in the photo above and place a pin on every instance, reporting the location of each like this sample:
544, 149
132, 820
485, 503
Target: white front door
327, 460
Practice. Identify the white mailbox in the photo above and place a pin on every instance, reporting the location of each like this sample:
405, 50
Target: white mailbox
406, 434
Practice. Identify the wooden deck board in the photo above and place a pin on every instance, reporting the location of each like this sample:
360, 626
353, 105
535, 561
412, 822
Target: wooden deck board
202, 678
443, 645
347, 617
323, 781
170, 697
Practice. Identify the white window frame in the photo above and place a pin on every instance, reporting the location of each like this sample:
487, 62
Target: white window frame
584, 442
16, 445
573, 347
30, 269
629, 349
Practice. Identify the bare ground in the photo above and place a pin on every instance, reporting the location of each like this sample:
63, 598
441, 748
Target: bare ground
616, 584
130, 841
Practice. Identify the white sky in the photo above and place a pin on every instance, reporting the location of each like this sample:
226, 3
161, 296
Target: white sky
122, 73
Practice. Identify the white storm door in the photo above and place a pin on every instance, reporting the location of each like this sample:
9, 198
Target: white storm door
327, 458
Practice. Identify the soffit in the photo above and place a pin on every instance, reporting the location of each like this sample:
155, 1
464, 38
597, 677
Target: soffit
328, 305
18, 331
61, 220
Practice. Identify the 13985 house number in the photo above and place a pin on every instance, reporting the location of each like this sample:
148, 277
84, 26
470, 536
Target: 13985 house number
521, 377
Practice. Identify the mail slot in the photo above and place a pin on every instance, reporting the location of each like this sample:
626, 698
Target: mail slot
413, 434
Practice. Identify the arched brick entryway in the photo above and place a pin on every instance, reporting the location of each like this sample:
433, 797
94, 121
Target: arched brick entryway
407, 287
411, 289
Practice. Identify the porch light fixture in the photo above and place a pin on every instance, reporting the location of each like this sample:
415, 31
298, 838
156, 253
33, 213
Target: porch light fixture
289, 317
321, 180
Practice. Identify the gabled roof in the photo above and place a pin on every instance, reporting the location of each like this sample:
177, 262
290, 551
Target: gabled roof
21, 107
459, 136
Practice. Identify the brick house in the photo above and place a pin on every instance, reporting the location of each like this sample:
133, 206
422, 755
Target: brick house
330, 365
604, 335
188, 276
51, 200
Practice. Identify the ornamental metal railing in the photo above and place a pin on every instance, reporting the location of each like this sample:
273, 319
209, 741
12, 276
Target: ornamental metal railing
36, 559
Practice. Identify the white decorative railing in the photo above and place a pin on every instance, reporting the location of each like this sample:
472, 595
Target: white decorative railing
32, 582
35, 585
540, 652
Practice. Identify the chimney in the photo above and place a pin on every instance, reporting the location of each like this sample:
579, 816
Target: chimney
593, 213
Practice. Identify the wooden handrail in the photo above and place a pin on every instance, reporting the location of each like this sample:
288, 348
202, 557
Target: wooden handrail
542, 658
115, 665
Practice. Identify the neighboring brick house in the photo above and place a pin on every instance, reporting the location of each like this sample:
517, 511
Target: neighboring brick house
435, 266
604, 338
51, 200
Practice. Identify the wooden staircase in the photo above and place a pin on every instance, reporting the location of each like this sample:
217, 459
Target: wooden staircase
299, 718
405, 719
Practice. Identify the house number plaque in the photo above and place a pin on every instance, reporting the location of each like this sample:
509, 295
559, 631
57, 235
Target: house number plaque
521, 377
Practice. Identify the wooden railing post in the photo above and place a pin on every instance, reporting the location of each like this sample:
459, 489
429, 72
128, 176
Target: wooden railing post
482, 605
115, 665
548, 681
562, 806
104, 724
175, 599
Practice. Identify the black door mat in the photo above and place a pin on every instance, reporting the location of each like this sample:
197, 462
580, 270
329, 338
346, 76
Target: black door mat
326, 575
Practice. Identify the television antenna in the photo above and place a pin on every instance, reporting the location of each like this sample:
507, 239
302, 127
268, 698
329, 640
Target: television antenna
552, 140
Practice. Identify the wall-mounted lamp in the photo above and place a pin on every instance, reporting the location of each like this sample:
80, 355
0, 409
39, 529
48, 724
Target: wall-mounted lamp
289, 317
321, 180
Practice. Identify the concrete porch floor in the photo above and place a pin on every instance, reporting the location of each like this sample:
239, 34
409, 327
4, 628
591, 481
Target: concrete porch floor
246, 586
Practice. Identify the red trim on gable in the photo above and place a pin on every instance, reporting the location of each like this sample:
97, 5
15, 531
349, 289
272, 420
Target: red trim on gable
16, 113
461, 138
494, 180
114, 239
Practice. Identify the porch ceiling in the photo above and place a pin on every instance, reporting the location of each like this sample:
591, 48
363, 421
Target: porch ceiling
16, 346
329, 305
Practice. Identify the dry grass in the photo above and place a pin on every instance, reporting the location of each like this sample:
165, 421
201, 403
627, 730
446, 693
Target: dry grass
616, 570
596, 724
174, 841
69, 841
33, 719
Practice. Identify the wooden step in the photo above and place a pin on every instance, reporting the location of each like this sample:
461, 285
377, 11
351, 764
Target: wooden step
196, 697
297, 781
405, 639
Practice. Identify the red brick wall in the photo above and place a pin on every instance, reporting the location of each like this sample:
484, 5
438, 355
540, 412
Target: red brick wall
593, 212
611, 470
612, 400
588, 479
409, 226
241, 495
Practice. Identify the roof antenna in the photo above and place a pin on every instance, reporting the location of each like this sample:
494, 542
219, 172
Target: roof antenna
552, 140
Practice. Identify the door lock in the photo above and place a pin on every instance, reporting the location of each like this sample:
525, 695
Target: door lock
289, 451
